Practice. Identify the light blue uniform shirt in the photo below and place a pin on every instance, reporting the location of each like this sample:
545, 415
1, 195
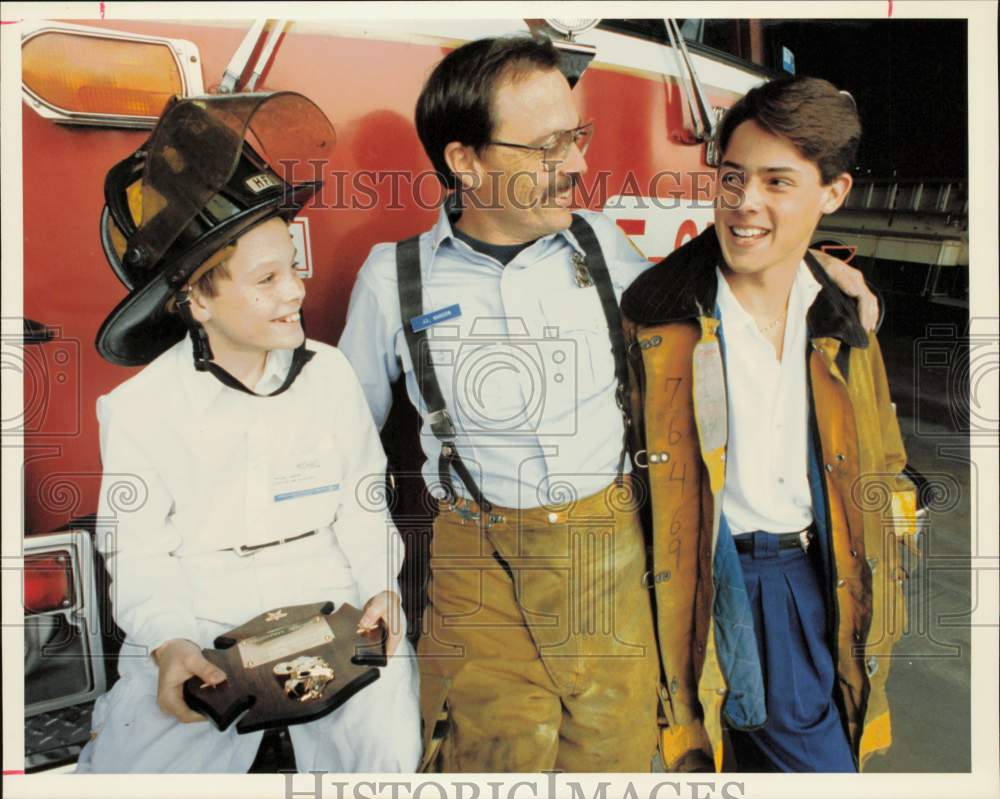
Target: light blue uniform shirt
525, 367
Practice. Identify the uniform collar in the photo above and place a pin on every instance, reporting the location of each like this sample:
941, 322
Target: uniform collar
448, 214
684, 286
443, 230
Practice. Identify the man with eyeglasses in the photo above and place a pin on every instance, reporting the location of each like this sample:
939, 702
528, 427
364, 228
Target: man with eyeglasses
537, 648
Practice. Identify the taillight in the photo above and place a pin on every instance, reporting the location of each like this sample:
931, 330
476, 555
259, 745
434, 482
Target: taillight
78, 75
48, 582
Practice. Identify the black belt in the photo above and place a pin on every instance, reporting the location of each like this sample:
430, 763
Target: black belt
243, 549
799, 540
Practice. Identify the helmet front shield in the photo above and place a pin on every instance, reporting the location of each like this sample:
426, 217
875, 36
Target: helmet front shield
194, 152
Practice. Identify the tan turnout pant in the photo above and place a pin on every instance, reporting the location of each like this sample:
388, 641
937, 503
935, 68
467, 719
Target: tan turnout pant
543, 658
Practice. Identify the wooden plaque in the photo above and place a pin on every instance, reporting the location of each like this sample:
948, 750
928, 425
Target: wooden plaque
288, 666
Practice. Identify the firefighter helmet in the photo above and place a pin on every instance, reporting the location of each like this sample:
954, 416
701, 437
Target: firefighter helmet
206, 175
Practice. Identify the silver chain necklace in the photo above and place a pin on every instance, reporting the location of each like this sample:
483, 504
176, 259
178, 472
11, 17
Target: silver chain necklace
771, 325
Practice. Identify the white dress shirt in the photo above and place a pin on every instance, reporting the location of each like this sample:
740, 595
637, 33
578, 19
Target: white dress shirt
767, 482
526, 368
193, 468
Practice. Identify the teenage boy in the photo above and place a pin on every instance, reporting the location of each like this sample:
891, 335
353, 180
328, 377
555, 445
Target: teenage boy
233, 461
766, 417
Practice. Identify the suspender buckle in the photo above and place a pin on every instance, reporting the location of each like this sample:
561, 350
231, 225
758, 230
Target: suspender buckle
441, 424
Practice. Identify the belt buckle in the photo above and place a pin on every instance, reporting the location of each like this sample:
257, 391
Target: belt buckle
245, 551
805, 539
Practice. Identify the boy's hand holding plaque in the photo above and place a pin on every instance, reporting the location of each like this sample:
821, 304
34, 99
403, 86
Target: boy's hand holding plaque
288, 666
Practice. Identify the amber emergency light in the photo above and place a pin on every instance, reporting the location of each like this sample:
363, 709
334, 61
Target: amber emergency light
77, 76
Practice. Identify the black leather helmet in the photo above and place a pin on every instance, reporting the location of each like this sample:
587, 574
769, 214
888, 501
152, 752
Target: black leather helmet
206, 175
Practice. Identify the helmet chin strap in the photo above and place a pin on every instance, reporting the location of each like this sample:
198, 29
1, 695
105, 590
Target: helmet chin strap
203, 352
199, 338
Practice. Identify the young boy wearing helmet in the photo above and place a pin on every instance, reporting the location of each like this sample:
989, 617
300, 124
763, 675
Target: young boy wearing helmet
236, 462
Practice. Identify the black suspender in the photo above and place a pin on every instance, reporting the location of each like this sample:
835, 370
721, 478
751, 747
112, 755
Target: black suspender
598, 269
411, 305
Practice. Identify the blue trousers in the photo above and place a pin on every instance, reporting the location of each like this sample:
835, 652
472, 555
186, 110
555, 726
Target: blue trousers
804, 731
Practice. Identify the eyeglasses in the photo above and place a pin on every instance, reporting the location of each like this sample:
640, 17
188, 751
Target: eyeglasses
556, 148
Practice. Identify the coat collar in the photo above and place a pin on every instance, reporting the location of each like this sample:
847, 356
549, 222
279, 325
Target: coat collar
683, 286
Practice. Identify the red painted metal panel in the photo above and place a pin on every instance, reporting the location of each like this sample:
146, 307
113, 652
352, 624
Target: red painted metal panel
368, 88
632, 227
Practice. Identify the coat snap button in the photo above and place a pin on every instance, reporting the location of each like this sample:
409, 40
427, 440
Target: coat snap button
654, 458
829, 467
664, 457
841, 456
553, 518
840, 583
871, 666
854, 553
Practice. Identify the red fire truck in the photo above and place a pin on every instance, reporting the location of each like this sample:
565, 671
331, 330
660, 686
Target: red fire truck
91, 93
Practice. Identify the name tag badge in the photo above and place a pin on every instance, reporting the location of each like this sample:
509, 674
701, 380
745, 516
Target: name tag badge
300, 476
424, 321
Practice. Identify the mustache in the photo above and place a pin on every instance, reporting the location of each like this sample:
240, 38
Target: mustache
561, 185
